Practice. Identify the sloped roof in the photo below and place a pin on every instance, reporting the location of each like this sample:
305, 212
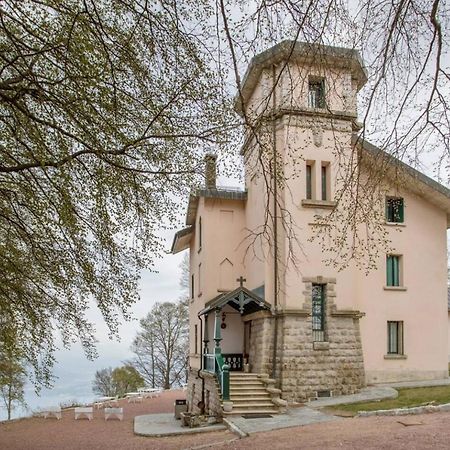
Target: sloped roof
416, 181
241, 299
224, 193
182, 239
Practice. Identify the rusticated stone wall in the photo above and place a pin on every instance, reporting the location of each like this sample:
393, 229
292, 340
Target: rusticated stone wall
303, 366
213, 405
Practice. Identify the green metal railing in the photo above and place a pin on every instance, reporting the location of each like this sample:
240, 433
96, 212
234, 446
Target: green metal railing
214, 363
223, 375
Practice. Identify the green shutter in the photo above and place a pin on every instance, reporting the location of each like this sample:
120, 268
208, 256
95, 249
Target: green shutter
389, 271
394, 270
401, 210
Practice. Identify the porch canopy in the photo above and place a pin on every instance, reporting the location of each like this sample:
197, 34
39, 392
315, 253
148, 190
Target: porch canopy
241, 299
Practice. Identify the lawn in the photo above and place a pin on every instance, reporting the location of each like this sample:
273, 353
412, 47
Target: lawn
407, 398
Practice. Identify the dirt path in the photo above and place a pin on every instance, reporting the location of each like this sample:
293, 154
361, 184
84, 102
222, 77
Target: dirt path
350, 433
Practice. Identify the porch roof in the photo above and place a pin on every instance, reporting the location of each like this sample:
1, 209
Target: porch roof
241, 299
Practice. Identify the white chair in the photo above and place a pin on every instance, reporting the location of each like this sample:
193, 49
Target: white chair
113, 402
135, 399
52, 411
88, 413
113, 412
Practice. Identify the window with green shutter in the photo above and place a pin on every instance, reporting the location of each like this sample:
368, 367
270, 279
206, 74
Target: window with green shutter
393, 270
395, 210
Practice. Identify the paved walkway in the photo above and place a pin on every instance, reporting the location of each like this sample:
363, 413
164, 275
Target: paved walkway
293, 418
412, 384
158, 425
367, 394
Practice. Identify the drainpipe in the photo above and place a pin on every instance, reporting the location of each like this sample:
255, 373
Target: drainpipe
275, 227
202, 405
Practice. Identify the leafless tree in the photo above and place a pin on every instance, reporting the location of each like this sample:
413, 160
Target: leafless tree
161, 345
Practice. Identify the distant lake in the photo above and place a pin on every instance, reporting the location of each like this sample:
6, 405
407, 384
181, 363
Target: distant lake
74, 375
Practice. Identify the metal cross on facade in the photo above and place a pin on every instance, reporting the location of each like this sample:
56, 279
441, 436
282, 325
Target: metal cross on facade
241, 281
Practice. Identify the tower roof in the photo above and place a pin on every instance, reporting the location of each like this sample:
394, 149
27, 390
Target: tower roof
300, 52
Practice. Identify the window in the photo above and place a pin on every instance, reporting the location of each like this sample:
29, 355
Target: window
309, 182
318, 312
316, 97
394, 210
325, 181
393, 270
200, 233
195, 339
395, 338
192, 287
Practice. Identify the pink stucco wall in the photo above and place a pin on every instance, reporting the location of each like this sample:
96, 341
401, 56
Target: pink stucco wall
233, 244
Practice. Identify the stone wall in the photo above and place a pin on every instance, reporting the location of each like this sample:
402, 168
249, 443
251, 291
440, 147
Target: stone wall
336, 364
303, 366
213, 405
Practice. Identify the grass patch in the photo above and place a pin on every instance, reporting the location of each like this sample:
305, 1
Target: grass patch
407, 398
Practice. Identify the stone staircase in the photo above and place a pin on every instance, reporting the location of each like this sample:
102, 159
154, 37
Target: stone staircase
252, 393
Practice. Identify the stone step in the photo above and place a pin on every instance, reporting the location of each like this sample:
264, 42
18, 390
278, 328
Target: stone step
251, 411
254, 404
247, 386
250, 401
243, 375
250, 395
249, 389
246, 380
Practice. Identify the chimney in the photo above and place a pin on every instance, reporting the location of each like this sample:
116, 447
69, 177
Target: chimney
210, 171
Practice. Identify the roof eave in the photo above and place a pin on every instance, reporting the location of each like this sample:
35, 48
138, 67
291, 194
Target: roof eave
181, 240
297, 51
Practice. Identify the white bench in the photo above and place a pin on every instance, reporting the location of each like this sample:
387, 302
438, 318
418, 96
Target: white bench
84, 412
52, 411
114, 412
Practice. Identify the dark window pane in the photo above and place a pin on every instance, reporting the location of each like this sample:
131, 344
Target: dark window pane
309, 182
324, 183
394, 210
395, 338
316, 97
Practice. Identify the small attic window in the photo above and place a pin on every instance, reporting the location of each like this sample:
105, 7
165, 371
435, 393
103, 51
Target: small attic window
316, 92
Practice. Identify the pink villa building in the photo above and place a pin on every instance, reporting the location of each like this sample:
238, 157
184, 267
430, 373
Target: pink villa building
264, 332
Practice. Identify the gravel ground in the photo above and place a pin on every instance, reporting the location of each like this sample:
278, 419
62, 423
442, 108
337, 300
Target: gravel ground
349, 433
357, 433
38, 434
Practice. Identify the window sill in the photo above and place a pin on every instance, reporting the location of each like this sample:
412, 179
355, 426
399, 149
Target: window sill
325, 204
395, 288
318, 345
395, 224
394, 356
